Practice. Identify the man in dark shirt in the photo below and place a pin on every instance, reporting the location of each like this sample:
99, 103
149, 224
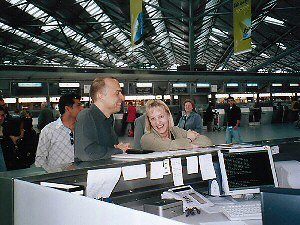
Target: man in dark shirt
2, 161
45, 116
233, 114
95, 137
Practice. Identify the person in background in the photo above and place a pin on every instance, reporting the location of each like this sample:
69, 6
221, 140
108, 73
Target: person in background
29, 140
56, 141
162, 135
95, 137
233, 115
139, 130
191, 120
4, 106
131, 116
13, 133
2, 161
295, 109
45, 116
209, 116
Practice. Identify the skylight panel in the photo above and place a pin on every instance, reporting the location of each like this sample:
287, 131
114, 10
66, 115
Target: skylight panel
159, 26
213, 39
52, 25
14, 2
282, 46
92, 9
264, 55
89, 45
69, 32
111, 32
4, 26
219, 32
274, 21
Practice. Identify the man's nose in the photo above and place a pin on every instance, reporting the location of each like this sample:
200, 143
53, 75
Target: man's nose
122, 97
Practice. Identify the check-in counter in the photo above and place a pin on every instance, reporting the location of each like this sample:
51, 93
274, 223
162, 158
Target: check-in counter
266, 115
245, 116
24, 202
129, 193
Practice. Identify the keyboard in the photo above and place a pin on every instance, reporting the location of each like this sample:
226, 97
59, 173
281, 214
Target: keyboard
244, 211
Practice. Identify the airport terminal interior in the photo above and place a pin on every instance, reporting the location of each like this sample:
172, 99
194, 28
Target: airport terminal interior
175, 51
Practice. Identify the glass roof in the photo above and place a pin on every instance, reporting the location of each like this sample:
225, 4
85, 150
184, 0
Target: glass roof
95, 33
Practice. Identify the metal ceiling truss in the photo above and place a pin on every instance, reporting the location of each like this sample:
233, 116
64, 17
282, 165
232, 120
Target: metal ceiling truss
97, 33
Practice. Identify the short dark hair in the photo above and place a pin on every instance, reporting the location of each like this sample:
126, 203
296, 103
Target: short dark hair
232, 98
66, 100
190, 101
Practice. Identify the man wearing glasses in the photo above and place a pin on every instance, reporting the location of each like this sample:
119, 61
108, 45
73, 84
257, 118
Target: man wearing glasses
233, 114
56, 142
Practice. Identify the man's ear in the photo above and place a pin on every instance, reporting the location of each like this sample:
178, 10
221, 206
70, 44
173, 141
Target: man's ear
67, 108
99, 95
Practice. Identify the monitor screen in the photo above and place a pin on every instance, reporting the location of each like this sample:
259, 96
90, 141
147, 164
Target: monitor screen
245, 172
280, 206
29, 89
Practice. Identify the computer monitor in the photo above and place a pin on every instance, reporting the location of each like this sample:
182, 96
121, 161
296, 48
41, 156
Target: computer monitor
280, 206
245, 171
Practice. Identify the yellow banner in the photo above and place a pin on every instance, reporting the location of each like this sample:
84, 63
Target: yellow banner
137, 21
242, 26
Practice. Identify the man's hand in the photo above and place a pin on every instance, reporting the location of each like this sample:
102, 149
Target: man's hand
123, 146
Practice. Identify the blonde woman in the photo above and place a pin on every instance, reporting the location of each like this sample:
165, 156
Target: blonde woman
162, 135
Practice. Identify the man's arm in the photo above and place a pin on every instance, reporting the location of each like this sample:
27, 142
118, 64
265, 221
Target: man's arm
42, 151
139, 129
198, 124
87, 147
239, 115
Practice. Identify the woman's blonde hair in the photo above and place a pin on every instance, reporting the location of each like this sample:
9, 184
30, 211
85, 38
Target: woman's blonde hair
157, 103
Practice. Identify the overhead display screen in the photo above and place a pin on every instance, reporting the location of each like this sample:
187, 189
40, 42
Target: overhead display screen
68, 88
232, 87
144, 88
251, 87
29, 89
277, 87
202, 88
179, 88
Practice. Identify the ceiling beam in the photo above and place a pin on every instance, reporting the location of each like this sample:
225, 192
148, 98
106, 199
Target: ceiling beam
274, 59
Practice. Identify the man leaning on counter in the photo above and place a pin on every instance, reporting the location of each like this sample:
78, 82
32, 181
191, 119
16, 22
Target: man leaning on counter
95, 137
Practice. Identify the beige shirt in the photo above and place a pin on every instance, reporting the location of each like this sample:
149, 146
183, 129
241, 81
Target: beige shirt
152, 141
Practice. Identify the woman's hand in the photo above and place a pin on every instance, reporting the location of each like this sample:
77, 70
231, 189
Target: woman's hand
192, 135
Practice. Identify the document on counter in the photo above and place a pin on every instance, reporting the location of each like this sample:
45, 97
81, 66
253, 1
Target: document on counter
134, 172
207, 167
224, 223
101, 182
177, 171
192, 165
167, 168
157, 170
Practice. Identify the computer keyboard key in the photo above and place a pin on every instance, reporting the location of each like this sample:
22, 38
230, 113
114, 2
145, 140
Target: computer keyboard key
242, 211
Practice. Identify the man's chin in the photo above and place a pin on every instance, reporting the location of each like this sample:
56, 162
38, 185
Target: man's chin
117, 110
